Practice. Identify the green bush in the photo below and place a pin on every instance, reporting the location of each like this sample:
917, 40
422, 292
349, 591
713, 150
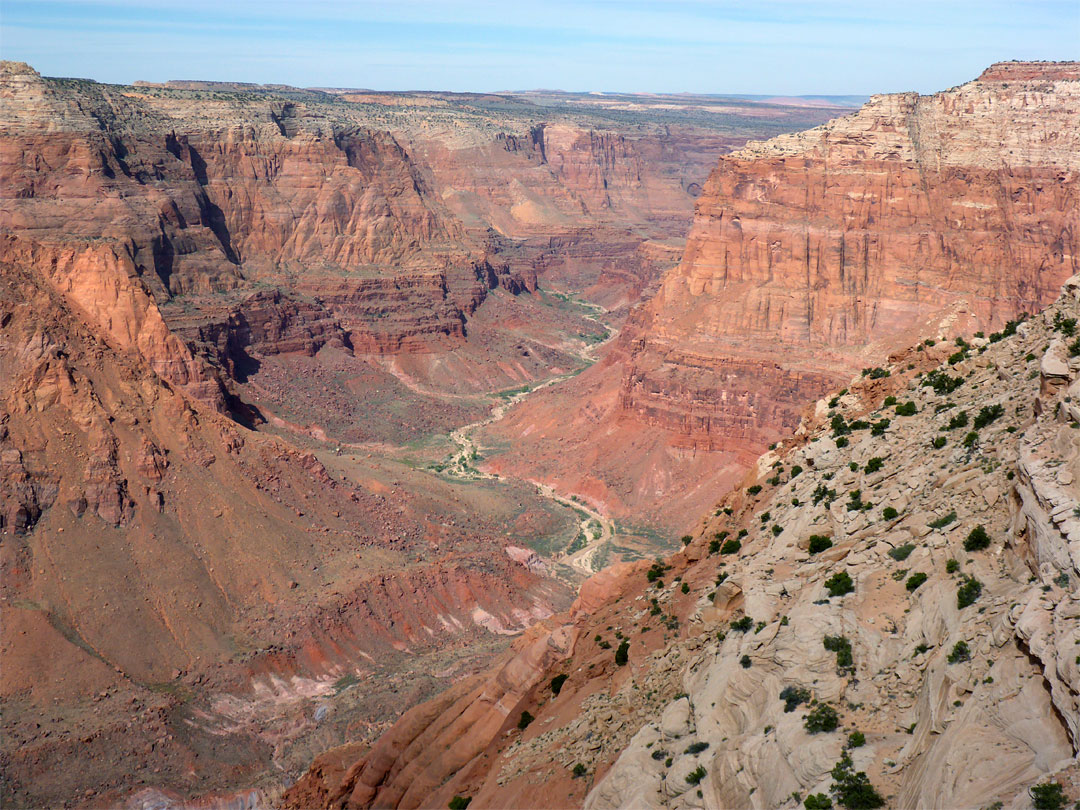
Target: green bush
622, 654
959, 653
875, 373
459, 802
743, 625
971, 439
907, 409
684, 588
889, 402
579, 771
777, 530
839, 584
958, 420
977, 539
795, 470
793, 696
939, 442
879, 428
968, 592
818, 543
914, 581
1047, 796
842, 647
695, 776
714, 546
941, 382
557, 683
687, 539
901, 553
754, 490
839, 426
696, 747
943, 521
889, 513
852, 789
842, 442
952, 566
821, 718
523, 722
731, 547
1067, 326
745, 662
875, 464
988, 414
856, 739
817, 801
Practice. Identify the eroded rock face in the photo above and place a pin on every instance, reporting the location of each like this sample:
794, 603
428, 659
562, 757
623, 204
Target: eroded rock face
813, 255
935, 613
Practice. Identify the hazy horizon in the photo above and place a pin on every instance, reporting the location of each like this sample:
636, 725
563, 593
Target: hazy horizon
716, 47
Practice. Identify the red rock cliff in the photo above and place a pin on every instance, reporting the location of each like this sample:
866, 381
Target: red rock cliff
811, 256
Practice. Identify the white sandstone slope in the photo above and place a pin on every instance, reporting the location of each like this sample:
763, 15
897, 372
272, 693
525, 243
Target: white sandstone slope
976, 731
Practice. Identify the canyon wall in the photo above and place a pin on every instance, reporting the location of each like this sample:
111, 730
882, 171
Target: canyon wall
811, 256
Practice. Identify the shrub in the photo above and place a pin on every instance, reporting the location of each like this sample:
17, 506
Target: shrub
875, 464
655, 572
842, 647
839, 584
523, 722
622, 654
557, 683
977, 539
957, 357
968, 592
579, 771
855, 502
941, 382
817, 801
901, 553
731, 547
856, 739
714, 546
889, 513
696, 747
686, 539
754, 490
958, 420
459, 802
842, 442
889, 402
777, 530
1067, 326
839, 426
793, 696
959, 653
952, 566
821, 718
818, 543
743, 625
695, 776
745, 662
853, 789
1047, 796
988, 414
914, 581
875, 373
742, 533
907, 409
971, 438
879, 428
659, 754
822, 493
684, 588
943, 521
795, 470
939, 442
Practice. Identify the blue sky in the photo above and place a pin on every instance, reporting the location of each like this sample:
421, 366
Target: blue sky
709, 46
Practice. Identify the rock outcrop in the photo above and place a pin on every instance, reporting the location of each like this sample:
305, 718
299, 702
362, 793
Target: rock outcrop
884, 611
813, 255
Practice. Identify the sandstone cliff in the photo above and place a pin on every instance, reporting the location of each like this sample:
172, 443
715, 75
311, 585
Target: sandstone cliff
811, 256
885, 612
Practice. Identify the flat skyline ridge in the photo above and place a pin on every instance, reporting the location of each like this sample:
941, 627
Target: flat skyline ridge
772, 47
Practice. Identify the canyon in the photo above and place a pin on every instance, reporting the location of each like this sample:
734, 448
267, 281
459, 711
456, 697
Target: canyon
320, 407
240, 326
